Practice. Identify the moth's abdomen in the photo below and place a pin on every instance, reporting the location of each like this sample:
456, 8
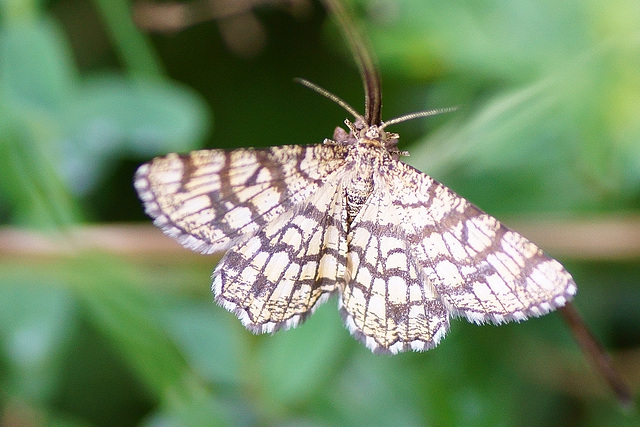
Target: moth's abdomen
357, 194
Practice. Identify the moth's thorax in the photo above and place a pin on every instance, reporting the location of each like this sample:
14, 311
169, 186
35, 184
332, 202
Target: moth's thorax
367, 154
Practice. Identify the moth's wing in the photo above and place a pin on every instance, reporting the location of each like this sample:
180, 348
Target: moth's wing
209, 199
278, 276
482, 270
386, 303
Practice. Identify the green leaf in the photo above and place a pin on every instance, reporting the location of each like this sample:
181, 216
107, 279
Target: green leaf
111, 116
150, 115
211, 347
366, 393
37, 73
36, 323
199, 411
295, 363
128, 316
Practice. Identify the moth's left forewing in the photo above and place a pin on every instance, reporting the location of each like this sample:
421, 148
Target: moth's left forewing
482, 270
209, 200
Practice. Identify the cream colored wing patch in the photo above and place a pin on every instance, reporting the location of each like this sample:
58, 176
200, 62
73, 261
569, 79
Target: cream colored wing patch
387, 304
210, 199
482, 270
277, 277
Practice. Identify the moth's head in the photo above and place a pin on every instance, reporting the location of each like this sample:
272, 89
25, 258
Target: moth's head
374, 134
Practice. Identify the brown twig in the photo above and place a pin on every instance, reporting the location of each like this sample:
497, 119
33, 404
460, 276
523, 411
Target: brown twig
364, 59
241, 31
600, 359
175, 16
564, 238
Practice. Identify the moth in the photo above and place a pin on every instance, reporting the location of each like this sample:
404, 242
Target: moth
402, 252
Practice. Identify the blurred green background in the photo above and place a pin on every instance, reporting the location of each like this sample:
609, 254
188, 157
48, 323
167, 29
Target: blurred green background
549, 126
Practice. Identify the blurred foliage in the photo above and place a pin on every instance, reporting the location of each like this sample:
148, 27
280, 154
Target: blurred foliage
549, 123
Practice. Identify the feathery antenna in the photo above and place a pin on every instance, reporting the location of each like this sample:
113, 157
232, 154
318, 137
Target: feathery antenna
411, 116
335, 98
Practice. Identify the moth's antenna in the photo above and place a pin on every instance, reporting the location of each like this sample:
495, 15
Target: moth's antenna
364, 58
412, 116
331, 96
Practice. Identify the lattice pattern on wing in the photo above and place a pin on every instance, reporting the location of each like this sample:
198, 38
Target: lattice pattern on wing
387, 303
481, 269
279, 275
210, 198
303, 222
